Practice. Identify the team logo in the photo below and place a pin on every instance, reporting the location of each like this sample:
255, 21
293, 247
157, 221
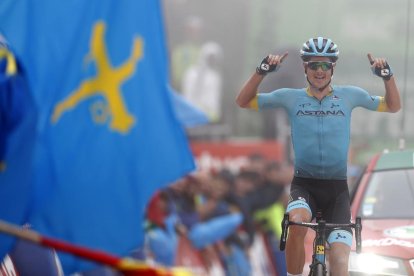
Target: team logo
320, 113
301, 198
339, 236
335, 98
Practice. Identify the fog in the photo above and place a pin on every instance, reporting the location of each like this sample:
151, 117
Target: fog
248, 30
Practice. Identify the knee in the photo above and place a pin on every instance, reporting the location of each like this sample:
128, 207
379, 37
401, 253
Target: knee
339, 257
300, 216
297, 232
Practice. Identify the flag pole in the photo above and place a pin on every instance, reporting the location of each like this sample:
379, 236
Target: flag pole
127, 266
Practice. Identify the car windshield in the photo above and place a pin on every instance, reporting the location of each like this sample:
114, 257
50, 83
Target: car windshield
390, 194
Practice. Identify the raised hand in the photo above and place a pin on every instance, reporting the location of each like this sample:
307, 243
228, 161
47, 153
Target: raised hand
380, 67
270, 63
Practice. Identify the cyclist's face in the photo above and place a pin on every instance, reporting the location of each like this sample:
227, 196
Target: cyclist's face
319, 70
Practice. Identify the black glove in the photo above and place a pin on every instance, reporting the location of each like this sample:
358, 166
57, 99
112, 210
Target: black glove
264, 67
385, 73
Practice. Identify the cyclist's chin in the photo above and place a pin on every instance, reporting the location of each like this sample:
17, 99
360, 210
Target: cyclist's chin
319, 83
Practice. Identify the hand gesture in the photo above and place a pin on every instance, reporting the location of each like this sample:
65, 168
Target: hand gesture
380, 67
270, 63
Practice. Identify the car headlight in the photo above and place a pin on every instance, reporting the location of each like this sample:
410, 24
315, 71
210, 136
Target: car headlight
375, 264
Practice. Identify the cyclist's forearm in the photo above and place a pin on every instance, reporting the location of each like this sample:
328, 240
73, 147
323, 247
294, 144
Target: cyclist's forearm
392, 95
249, 90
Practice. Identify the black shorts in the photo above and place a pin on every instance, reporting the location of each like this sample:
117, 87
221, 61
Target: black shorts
330, 197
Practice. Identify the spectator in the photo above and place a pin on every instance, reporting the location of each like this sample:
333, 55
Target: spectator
180, 206
161, 236
186, 54
202, 82
235, 253
269, 213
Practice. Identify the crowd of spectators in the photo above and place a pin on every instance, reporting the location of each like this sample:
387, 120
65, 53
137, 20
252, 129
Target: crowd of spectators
221, 211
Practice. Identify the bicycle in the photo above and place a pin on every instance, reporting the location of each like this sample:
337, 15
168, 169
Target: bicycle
318, 265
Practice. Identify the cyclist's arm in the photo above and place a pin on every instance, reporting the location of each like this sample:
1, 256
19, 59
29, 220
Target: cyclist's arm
248, 92
392, 102
247, 95
392, 96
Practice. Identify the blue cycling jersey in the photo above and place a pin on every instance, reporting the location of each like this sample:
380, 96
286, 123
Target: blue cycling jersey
320, 129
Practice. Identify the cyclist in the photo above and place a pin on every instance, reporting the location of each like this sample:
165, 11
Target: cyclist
320, 116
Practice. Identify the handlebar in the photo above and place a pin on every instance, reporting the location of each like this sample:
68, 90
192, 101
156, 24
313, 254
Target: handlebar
316, 226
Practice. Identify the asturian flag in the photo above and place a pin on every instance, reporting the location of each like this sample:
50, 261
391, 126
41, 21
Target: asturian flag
108, 134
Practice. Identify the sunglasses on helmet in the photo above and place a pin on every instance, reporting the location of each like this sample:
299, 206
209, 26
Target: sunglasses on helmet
324, 65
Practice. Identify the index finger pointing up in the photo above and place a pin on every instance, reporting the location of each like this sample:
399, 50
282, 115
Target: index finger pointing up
283, 56
370, 58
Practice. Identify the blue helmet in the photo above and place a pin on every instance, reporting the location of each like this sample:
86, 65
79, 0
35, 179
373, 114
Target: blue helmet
319, 47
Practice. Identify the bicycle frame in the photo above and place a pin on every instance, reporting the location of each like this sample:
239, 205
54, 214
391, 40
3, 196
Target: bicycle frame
319, 244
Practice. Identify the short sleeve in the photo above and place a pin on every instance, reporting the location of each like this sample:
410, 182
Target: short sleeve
360, 97
277, 98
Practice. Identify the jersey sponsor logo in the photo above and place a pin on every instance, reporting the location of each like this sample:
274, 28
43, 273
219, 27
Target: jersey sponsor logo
320, 113
304, 105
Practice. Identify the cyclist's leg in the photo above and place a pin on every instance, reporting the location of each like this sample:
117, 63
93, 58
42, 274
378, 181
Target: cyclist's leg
295, 249
299, 211
340, 240
338, 259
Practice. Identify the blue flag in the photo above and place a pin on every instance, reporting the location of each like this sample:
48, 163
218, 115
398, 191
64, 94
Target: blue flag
188, 114
18, 119
108, 134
